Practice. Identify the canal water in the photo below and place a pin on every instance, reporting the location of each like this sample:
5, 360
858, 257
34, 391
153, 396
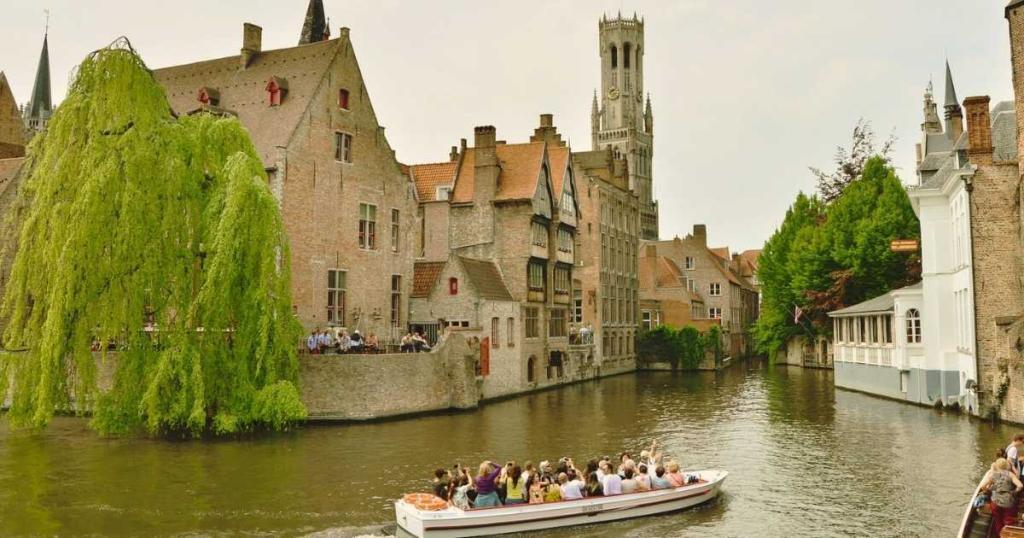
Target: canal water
804, 459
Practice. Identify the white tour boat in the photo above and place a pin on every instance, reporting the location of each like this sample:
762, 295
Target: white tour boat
455, 523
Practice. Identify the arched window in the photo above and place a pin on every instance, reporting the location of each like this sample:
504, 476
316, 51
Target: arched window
531, 367
453, 286
615, 57
343, 99
625, 55
913, 326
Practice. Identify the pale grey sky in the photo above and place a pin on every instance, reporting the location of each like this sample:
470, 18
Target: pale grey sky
746, 93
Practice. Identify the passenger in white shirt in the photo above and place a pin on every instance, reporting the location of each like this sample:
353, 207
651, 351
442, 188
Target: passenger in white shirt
571, 489
611, 483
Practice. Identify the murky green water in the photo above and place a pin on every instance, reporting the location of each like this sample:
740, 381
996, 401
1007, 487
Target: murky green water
805, 460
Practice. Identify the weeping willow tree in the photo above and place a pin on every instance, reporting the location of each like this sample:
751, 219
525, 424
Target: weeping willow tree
157, 236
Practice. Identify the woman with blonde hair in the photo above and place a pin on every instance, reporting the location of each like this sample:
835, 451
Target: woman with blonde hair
675, 479
486, 489
1003, 486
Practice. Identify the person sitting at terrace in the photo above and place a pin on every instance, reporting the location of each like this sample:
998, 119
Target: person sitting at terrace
344, 342
407, 343
325, 341
372, 344
420, 343
312, 343
356, 341
486, 490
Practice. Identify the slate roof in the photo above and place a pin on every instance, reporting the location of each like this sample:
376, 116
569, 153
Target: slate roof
424, 276
40, 105
1004, 131
486, 278
428, 177
878, 305
520, 172
242, 91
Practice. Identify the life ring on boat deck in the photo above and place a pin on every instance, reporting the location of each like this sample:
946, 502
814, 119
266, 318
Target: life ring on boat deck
425, 501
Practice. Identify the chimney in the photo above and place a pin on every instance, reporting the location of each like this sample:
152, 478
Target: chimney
547, 120
486, 172
700, 233
454, 155
547, 132
252, 43
979, 126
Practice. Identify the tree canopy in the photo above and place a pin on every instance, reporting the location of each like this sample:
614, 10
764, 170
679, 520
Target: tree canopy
850, 163
159, 236
825, 257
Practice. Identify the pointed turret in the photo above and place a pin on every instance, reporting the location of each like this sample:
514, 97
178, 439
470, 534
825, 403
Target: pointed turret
37, 113
648, 116
932, 124
954, 114
314, 28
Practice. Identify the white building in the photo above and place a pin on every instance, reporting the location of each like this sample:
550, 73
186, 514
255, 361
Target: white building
931, 356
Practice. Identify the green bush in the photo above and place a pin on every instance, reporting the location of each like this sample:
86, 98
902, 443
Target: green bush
679, 347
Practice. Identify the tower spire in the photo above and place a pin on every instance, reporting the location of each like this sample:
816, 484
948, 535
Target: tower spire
37, 113
954, 114
931, 124
314, 28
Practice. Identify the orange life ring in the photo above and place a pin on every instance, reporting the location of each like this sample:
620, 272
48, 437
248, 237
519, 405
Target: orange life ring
425, 501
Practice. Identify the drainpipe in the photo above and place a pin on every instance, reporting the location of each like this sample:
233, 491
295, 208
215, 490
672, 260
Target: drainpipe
969, 187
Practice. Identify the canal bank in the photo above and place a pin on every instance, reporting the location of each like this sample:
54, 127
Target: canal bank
845, 463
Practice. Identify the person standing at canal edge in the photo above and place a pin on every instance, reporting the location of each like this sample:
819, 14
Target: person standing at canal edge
1003, 486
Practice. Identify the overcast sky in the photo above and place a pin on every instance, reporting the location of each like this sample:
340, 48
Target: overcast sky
746, 93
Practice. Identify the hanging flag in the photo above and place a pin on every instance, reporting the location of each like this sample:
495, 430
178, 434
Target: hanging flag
797, 312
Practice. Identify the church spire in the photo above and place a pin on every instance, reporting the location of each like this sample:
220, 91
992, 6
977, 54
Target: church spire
954, 114
37, 113
314, 28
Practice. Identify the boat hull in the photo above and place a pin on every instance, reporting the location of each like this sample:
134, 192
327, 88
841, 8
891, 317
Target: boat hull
453, 522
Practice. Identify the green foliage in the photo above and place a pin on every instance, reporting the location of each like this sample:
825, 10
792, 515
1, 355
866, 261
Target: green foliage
824, 258
679, 347
713, 342
136, 214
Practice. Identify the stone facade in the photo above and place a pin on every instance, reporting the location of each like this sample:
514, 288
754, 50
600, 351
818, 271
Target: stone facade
726, 295
349, 209
667, 295
12, 130
607, 293
622, 122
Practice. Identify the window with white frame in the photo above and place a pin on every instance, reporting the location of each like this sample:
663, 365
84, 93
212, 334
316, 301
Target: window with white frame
367, 226
539, 234
343, 147
645, 320
913, 326
395, 230
691, 264
565, 242
715, 289
336, 296
577, 306
715, 312
396, 300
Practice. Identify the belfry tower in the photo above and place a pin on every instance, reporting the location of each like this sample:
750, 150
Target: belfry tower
623, 120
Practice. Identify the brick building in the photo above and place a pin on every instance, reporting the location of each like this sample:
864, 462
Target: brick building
349, 209
12, 130
727, 296
607, 292
667, 296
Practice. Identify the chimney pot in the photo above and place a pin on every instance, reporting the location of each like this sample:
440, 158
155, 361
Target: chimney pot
462, 144
547, 120
454, 155
484, 136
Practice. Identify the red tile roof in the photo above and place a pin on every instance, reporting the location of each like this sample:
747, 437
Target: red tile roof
424, 277
429, 177
520, 172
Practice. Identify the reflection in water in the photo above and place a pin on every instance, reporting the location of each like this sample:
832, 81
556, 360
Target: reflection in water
805, 460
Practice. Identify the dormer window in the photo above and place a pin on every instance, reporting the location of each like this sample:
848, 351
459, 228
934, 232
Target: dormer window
209, 96
343, 99
277, 89
444, 193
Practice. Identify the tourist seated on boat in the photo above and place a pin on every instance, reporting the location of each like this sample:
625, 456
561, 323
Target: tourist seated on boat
460, 486
592, 487
675, 479
611, 483
643, 480
629, 484
1013, 451
356, 341
441, 483
553, 491
486, 489
515, 485
535, 488
528, 471
651, 457
570, 487
659, 480
1003, 485
625, 460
